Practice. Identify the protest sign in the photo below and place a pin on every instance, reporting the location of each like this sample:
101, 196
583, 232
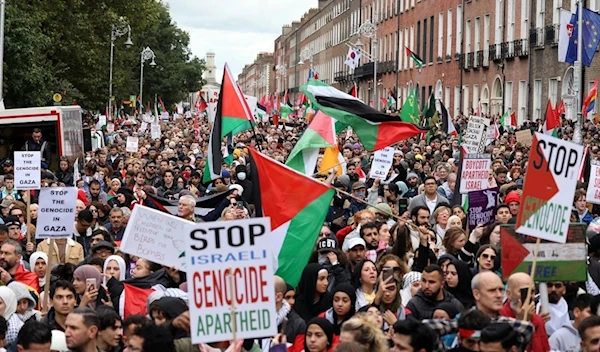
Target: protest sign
382, 162
164, 115
28, 172
143, 127
155, 131
482, 207
593, 190
101, 121
555, 261
545, 208
110, 128
475, 172
155, 236
524, 137
56, 212
474, 139
230, 278
132, 144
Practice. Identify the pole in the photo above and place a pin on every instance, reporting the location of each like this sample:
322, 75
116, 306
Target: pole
577, 137
233, 315
141, 78
397, 68
48, 276
2, 10
533, 268
375, 58
27, 233
110, 70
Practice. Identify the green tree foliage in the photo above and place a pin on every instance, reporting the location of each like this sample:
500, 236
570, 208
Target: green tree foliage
64, 46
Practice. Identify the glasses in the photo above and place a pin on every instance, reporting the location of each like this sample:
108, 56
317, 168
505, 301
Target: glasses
151, 166
488, 256
19, 215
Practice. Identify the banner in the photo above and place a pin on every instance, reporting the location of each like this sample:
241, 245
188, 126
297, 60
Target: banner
132, 144
545, 209
56, 212
473, 140
593, 190
28, 171
382, 162
213, 99
155, 132
230, 264
475, 172
155, 236
482, 207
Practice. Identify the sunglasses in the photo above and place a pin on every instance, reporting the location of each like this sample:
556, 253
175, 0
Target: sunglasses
488, 256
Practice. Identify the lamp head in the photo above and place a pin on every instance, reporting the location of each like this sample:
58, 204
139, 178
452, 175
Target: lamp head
301, 63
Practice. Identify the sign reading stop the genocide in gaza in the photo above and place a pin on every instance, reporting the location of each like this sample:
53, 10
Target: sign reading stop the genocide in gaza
230, 266
550, 181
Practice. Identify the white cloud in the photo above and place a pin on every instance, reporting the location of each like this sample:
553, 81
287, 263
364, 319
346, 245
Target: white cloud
236, 30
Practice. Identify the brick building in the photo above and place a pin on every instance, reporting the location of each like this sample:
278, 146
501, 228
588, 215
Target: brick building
257, 79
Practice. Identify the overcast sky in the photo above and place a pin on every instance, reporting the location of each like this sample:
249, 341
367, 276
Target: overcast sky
236, 30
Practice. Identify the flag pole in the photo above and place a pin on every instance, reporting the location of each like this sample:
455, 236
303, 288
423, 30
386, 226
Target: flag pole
577, 136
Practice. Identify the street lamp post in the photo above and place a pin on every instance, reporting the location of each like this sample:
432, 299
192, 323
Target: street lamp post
369, 30
145, 55
117, 30
307, 55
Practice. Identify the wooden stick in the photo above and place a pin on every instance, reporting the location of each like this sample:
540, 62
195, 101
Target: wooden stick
28, 216
233, 317
45, 301
533, 268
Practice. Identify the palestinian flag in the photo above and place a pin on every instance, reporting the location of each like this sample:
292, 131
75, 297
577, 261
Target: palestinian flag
203, 204
552, 123
319, 134
447, 124
297, 206
260, 112
431, 109
233, 116
415, 57
286, 99
285, 110
376, 130
161, 106
133, 300
354, 91
410, 109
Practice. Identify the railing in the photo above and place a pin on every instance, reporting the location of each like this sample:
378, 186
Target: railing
496, 52
536, 37
552, 34
469, 61
365, 70
521, 47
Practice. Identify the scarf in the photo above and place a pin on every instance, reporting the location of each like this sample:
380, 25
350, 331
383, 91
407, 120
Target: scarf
282, 314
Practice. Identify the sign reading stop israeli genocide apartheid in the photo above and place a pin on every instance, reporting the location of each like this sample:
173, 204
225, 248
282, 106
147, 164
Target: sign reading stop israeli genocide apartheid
552, 174
475, 172
56, 212
230, 268
593, 190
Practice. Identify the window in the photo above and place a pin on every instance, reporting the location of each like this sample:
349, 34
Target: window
424, 56
418, 48
510, 35
486, 38
446, 95
440, 35
465, 97
508, 98
401, 48
456, 100
553, 90
556, 6
522, 109
468, 37
477, 35
449, 34
412, 44
541, 9
498, 36
431, 38
537, 99
475, 95
406, 43
459, 16
524, 19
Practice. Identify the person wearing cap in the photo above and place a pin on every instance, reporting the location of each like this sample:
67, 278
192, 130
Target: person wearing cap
513, 200
13, 224
412, 182
383, 213
37, 144
357, 249
359, 190
8, 167
330, 257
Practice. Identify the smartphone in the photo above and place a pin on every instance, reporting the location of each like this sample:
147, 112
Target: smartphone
90, 282
403, 203
524, 292
387, 273
239, 204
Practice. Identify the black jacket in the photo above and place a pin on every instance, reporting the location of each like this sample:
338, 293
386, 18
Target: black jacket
422, 307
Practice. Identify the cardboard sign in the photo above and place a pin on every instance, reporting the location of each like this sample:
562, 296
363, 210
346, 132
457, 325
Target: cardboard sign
524, 137
555, 262
593, 190
155, 236
56, 212
28, 171
474, 138
143, 127
482, 207
475, 172
155, 132
110, 128
549, 187
382, 162
164, 115
230, 259
132, 144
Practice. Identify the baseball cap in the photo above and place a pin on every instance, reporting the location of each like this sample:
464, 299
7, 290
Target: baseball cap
356, 241
326, 245
358, 184
12, 220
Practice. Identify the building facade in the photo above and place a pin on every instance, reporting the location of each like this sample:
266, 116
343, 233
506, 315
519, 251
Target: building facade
257, 79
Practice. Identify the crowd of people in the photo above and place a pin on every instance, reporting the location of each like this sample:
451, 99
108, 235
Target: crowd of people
395, 266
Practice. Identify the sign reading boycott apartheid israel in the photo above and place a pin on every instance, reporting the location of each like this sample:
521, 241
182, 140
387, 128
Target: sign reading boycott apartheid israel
552, 174
230, 266
555, 261
475, 172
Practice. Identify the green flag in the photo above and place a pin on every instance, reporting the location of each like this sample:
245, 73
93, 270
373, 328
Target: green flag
410, 109
431, 110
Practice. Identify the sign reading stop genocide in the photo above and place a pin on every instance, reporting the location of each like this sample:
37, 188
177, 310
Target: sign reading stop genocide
230, 266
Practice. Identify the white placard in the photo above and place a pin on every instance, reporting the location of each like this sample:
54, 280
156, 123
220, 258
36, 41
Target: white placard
175, 116
101, 120
155, 132
164, 115
143, 126
475, 172
57, 212
474, 139
132, 144
155, 236
382, 162
76, 173
213, 99
593, 191
28, 171
214, 249
110, 128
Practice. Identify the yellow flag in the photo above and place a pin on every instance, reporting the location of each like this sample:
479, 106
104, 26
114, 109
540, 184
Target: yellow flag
332, 158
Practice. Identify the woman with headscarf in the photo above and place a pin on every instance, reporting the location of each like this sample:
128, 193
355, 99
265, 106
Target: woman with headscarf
458, 282
88, 294
364, 279
163, 312
38, 262
343, 306
411, 284
114, 266
312, 296
8, 309
319, 337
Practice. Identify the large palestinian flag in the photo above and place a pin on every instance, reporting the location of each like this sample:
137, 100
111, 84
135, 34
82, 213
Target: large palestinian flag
297, 206
233, 116
319, 134
375, 129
